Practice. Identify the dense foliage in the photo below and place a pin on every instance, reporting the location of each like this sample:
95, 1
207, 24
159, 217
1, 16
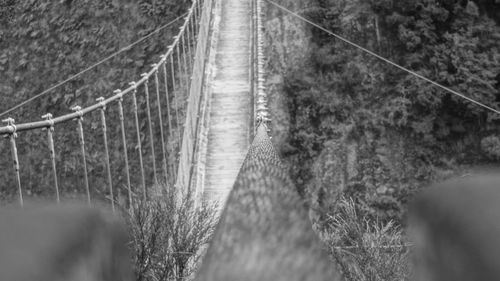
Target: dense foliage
351, 125
362, 127
45, 42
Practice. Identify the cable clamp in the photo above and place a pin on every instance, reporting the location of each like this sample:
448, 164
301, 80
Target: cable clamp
134, 86
78, 110
11, 124
101, 102
48, 117
119, 93
145, 75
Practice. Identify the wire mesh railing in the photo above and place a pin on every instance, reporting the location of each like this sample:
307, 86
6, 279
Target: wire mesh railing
259, 94
189, 139
116, 148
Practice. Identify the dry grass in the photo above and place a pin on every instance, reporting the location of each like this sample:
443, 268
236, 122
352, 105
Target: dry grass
168, 235
365, 250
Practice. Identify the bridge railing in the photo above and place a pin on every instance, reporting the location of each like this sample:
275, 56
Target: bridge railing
190, 135
126, 142
258, 90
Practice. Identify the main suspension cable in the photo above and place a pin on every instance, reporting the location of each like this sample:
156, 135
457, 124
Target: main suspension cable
385, 59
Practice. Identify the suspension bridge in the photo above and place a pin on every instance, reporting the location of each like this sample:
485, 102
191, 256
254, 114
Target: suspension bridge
197, 122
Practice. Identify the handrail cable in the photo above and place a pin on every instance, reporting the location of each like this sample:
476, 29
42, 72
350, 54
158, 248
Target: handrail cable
126, 48
385, 59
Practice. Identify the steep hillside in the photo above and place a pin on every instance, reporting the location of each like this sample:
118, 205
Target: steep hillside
360, 127
352, 127
44, 42
288, 48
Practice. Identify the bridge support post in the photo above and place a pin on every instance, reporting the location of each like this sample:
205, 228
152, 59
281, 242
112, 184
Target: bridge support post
125, 147
79, 120
188, 40
50, 140
176, 102
15, 158
169, 117
106, 151
160, 117
139, 142
150, 123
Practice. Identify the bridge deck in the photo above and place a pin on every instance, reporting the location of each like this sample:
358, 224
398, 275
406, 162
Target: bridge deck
230, 102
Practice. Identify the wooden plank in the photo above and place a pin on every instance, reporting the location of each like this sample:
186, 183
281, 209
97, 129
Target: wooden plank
228, 133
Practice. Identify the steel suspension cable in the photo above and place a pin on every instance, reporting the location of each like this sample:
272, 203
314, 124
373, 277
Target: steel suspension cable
170, 134
107, 160
385, 59
193, 34
121, 116
150, 126
81, 138
186, 70
139, 141
176, 102
160, 118
189, 59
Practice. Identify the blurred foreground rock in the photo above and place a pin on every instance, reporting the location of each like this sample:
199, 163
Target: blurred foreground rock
62, 243
456, 229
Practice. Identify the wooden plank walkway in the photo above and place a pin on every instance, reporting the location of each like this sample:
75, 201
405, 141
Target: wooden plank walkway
230, 101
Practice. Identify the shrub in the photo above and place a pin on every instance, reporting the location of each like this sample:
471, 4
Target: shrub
365, 249
168, 234
491, 147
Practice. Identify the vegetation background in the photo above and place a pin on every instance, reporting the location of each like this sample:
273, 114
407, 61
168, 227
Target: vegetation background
347, 124
360, 127
44, 42
351, 126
